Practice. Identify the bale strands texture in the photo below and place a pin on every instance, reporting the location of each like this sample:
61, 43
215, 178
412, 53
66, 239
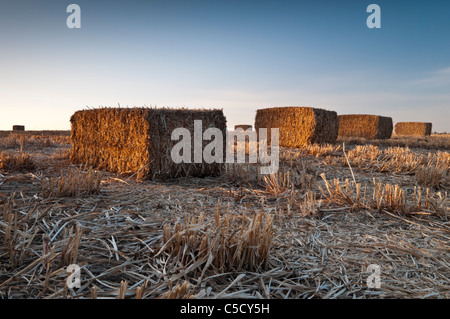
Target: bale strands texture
299, 126
366, 126
138, 140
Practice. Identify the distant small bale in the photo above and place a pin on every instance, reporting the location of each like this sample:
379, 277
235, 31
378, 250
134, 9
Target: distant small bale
413, 128
299, 126
243, 126
139, 141
18, 128
366, 126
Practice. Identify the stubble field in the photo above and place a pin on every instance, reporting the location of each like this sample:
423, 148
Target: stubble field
310, 231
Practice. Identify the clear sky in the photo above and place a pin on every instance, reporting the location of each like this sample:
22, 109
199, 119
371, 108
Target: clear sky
232, 54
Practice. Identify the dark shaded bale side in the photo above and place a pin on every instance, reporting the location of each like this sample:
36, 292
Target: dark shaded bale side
299, 126
18, 128
243, 126
366, 126
138, 140
413, 128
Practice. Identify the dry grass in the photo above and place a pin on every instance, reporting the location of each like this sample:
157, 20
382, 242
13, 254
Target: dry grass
433, 177
16, 162
61, 154
231, 243
278, 184
385, 197
391, 159
41, 133
308, 205
28, 141
72, 183
433, 142
290, 235
16, 239
180, 291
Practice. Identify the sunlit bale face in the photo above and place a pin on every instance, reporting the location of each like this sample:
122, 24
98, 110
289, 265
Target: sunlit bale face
299, 126
413, 128
138, 140
365, 126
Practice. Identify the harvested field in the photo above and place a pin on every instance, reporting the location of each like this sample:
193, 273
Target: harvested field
365, 126
432, 142
298, 126
310, 231
413, 128
45, 133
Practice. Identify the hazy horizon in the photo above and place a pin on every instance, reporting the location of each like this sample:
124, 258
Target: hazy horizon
234, 55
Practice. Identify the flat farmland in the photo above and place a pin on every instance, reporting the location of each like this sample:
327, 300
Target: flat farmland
316, 229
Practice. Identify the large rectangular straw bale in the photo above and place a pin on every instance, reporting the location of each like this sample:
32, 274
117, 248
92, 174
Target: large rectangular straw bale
413, 128
366, 126
138, 140
298, 126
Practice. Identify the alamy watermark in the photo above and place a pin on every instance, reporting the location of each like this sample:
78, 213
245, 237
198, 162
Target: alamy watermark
74, 278
374, 19
374, 280
74, 19
190, 149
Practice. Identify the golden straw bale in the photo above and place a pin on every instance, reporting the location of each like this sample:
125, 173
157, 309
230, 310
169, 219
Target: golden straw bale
299, 126
138, 140
413, 128
366, 126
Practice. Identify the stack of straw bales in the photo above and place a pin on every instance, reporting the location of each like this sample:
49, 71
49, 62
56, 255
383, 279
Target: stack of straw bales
366, 126
138, 140
413, 128
299, 126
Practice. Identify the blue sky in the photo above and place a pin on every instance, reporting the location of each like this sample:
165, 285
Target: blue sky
235, 55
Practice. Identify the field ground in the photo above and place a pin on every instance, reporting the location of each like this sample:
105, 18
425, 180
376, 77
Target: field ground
310, 231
